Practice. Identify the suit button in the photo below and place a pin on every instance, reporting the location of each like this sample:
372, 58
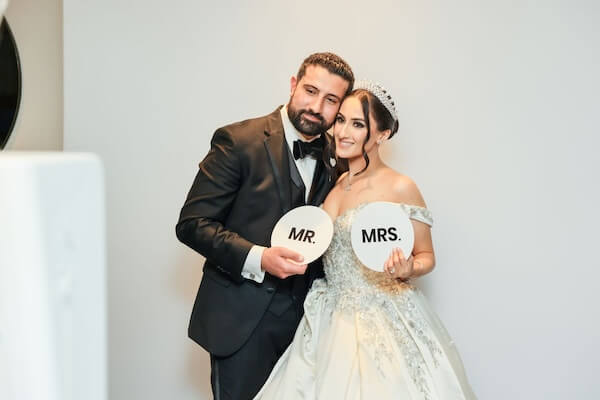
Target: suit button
270, 290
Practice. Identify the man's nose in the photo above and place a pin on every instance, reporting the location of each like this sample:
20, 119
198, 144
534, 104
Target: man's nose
316, 105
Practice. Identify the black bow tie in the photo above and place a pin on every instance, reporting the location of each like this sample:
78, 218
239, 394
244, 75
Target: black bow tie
312, 149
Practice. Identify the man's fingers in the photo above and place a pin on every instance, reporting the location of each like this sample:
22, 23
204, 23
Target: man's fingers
291, 254
289, 268
282, 262
296, 269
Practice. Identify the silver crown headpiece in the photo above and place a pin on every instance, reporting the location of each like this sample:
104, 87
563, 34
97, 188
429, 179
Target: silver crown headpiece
379, 92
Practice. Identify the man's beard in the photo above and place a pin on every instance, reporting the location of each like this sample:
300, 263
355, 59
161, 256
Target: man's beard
309, 128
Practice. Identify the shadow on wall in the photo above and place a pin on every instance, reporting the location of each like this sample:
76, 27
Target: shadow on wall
187, 273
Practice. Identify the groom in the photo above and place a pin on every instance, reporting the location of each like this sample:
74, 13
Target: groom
250, 299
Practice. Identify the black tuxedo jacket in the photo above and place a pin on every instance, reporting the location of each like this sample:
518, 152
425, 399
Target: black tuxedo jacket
244, 185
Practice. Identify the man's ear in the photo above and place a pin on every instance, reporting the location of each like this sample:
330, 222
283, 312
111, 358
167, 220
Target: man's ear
293, 83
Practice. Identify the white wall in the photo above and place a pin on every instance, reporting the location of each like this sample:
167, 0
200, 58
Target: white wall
498, 127
3, 5
37, 27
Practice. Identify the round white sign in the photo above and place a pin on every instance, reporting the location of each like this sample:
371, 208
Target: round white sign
307, 230
378, 228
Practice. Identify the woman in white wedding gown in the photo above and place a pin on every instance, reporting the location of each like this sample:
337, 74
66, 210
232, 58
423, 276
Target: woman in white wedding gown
366, 334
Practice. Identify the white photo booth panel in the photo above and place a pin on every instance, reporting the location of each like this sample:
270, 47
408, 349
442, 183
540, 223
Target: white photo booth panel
52, 277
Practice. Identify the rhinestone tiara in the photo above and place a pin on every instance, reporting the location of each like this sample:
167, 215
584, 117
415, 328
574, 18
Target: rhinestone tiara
379, 92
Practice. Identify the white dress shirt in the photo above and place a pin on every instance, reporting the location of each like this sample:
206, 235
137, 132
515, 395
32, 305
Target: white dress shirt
306, 167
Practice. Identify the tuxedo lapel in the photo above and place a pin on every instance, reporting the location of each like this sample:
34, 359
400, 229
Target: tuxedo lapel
278, 158
295, 175
321, 185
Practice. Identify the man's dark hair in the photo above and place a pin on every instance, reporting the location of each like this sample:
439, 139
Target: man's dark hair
332, 63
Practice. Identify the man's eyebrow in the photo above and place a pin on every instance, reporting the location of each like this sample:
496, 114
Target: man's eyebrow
308, 85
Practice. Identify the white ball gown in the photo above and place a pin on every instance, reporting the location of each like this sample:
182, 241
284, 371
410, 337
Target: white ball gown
367, 336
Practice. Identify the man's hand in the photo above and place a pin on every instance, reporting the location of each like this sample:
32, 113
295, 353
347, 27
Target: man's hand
277, 261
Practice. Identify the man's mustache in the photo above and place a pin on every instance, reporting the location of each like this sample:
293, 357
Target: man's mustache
316, 115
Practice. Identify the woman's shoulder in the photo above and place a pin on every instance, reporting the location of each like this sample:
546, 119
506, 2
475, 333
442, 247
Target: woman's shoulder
403, 188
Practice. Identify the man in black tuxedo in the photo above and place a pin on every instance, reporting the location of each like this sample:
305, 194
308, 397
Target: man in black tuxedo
250, 299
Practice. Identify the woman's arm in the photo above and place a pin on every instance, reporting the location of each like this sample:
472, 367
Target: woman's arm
422, 259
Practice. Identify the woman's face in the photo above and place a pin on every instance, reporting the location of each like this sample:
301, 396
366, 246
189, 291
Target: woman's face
350, 130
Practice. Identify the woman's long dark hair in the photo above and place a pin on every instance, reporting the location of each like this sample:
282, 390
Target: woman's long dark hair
383, 119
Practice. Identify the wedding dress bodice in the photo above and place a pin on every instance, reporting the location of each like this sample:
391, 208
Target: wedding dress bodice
344, 272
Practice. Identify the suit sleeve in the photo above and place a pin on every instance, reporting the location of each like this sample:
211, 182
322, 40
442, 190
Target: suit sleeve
201, 223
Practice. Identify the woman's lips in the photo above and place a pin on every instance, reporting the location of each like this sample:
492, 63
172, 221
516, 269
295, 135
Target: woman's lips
345, 144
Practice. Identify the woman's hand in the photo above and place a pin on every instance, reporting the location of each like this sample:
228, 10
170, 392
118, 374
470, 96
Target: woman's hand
397, 266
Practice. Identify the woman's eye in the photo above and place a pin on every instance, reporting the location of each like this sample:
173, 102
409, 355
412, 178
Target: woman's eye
359, 125
339, 119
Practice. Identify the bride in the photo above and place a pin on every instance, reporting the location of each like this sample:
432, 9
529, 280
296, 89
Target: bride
366, 334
